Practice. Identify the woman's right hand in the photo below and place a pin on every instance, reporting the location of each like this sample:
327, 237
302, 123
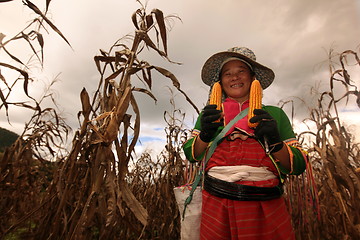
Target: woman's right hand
208, 125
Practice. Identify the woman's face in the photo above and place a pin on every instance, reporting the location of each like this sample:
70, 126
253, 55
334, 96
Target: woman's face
236, 79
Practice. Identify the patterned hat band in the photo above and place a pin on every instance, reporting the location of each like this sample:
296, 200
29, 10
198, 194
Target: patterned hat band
212, 68
235, 59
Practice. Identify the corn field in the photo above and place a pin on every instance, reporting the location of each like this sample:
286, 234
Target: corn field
100, 190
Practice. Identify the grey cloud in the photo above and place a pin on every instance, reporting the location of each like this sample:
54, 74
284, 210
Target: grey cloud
288, 36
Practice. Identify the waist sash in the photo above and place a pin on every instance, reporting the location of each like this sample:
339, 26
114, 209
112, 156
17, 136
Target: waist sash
234, 191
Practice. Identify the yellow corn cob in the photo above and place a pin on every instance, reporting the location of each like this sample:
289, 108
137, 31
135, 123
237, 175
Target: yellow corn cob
215, 96
254, 101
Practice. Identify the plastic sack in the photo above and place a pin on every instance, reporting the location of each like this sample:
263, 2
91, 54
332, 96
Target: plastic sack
190, 222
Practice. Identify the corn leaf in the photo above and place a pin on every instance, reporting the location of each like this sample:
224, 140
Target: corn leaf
3, 99
149, 21
22, 72
134, 18
142, 90
161, 23
133, 204
85, 102
37, 11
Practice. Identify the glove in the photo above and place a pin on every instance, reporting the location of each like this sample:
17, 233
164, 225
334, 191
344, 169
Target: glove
208, 126
267, 130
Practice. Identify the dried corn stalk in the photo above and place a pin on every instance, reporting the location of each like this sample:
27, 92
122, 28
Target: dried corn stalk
90, 195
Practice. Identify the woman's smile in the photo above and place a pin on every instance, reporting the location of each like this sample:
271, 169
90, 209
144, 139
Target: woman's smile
238, 85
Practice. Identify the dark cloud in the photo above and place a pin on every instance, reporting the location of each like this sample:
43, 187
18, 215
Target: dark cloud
292, 37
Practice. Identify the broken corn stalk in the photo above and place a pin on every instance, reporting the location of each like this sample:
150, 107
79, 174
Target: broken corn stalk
255, 99
216, 95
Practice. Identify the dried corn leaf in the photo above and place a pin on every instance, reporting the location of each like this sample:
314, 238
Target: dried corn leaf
136, 128
22, 72
2, 36
161, 23
149, 93
149, 21
28, 39
85, 103
37, 11
112, 128
114, 74
168, 74
145, 37
12, 56
146, 78
40, 39
110, 184
4, 103
99, 59
134, 18
133, 204
47, 5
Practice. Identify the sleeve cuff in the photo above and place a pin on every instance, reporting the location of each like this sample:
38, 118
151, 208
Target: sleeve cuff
201, 156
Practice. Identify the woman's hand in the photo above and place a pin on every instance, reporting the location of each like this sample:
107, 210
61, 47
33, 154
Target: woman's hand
208, 125
267, 130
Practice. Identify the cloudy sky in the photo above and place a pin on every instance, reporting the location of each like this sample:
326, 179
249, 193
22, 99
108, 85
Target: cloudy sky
290, 36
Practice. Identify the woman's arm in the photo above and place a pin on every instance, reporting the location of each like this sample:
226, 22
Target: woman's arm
194, 148
291, 159
283, 157
199, 147
206, 128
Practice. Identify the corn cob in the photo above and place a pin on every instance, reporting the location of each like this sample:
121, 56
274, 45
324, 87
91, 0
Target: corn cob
215, 96
254, 101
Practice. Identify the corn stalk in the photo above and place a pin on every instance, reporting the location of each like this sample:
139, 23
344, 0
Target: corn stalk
90, 196
333, 158
25, 169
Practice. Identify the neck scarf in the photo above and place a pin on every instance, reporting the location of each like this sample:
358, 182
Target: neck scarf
231, 109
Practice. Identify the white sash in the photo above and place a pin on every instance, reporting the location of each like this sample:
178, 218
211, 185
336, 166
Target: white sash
241, 173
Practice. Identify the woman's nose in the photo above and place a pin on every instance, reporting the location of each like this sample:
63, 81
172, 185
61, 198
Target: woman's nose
234, 76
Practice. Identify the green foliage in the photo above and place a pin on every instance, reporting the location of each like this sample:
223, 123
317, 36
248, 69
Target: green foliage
7, 138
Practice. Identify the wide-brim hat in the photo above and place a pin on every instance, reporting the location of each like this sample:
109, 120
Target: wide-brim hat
210, 72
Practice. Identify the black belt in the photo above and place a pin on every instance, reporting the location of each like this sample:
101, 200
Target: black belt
234, 191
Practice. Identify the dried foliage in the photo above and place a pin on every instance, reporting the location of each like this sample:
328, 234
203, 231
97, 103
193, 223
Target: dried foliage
152, 182
32, 36
334, 158
91, 194
25, 169
99, 190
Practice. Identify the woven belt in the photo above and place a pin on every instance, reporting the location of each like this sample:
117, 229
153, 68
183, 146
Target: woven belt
234, 191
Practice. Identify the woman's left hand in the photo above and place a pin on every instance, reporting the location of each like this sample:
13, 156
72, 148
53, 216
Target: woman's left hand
267, 130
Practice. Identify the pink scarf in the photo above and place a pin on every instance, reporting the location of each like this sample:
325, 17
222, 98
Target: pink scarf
233, 108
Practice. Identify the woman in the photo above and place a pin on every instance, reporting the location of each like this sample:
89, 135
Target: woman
244, 175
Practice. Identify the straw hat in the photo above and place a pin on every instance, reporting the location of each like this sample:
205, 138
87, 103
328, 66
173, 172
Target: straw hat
211, 70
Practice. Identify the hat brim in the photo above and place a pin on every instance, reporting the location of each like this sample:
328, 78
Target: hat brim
210, 72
